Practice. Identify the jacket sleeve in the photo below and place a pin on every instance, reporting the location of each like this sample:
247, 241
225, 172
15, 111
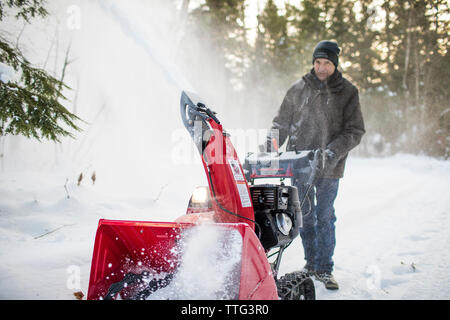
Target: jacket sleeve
282, 121
353, 128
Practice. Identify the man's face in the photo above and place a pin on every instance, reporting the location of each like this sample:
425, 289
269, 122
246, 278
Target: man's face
323, 68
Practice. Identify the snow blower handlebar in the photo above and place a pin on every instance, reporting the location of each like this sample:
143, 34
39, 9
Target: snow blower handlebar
202, 108
302, 167
317, 165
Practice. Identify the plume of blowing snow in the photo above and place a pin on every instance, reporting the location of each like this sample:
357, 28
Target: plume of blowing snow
206, 250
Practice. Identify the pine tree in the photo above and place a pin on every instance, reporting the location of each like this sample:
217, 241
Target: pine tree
219, 26
308, 23
418, 68
395, 52
29, 101
273, 61
280, 50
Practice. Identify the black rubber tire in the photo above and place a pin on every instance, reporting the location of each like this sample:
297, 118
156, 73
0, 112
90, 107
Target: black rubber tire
296, 286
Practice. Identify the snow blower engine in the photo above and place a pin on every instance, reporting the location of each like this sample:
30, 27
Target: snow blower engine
278, 209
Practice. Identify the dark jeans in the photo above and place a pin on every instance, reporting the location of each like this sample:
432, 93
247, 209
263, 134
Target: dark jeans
318, 231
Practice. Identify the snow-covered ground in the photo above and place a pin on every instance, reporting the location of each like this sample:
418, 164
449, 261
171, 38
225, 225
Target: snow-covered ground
392, 230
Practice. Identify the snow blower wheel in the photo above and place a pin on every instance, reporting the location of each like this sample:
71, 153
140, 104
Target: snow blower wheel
296, 286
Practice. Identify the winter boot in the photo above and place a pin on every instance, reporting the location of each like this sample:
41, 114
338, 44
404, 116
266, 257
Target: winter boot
328, 279
307, 270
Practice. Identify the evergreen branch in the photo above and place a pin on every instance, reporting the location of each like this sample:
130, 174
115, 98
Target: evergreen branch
27, 9
31, 106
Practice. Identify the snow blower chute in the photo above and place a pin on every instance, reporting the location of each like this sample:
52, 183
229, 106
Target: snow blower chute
138, 259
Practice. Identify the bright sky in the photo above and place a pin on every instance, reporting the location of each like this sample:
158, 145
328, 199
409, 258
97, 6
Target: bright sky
253, 7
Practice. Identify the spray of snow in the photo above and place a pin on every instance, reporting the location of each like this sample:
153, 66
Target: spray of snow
210, 265
124, 84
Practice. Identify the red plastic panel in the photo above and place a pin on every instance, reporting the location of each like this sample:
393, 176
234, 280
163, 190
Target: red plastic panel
257, 281
225, 173
133, 246
130, 246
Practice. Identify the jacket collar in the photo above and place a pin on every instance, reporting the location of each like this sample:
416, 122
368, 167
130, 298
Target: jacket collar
333, 84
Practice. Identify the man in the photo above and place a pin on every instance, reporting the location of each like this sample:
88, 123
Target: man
321, 110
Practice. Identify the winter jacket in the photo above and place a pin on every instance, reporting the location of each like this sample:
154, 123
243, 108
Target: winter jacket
316, 114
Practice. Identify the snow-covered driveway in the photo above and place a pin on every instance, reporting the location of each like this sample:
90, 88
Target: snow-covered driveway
392, 230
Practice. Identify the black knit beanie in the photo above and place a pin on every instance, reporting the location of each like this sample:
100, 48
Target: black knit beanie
328, 50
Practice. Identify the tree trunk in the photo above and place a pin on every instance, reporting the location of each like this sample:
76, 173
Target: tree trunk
405, 72
407, 54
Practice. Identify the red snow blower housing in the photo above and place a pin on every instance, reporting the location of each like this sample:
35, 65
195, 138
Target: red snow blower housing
138, 259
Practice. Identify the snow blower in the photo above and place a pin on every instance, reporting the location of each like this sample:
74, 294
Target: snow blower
140, 259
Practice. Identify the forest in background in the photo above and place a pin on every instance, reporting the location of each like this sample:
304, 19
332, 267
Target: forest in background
395, 52
243, 55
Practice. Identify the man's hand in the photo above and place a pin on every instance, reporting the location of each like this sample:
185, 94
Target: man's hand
330, 159
270, 146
